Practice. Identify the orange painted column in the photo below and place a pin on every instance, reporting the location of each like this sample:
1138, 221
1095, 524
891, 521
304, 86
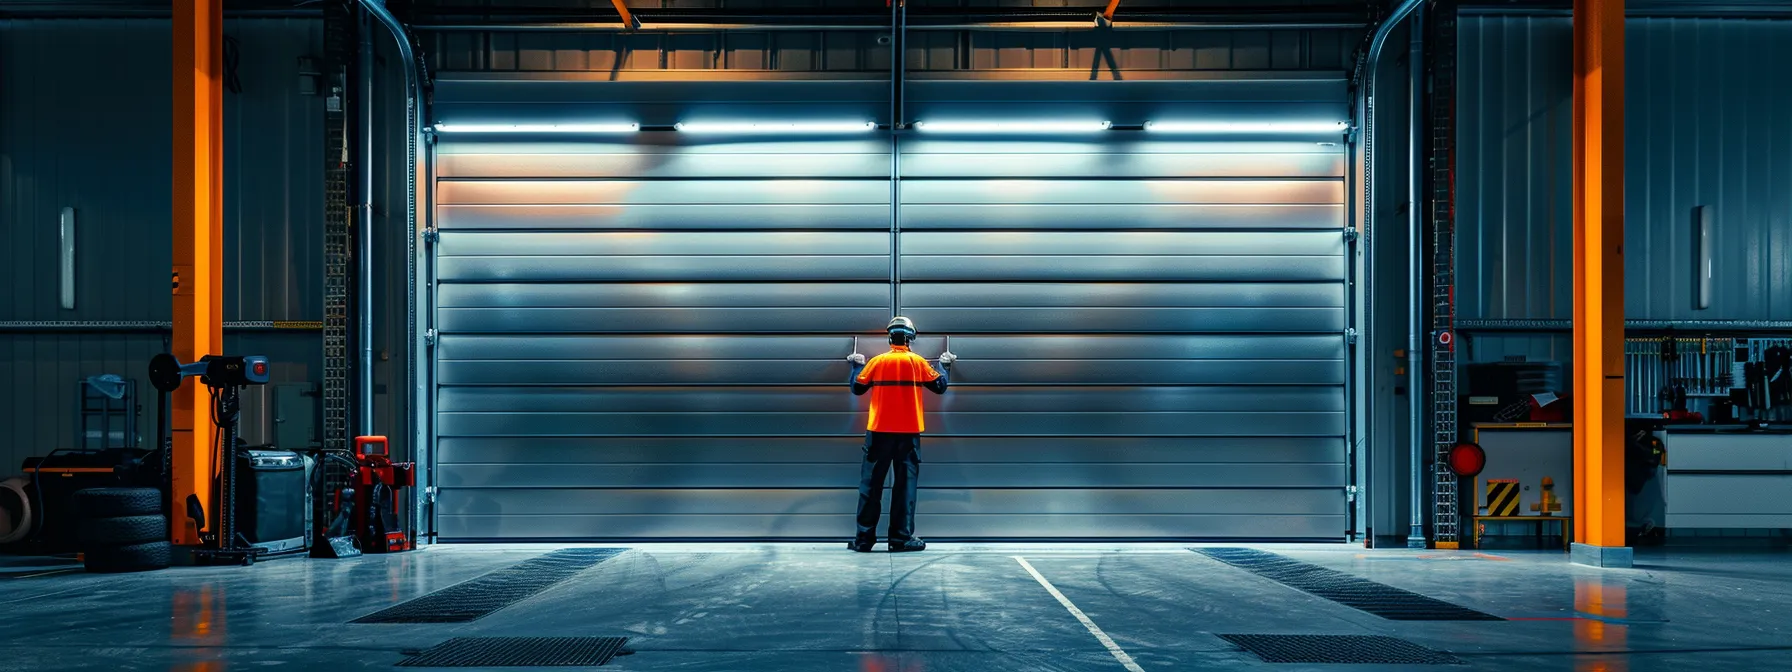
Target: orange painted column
198, 246
1599, 281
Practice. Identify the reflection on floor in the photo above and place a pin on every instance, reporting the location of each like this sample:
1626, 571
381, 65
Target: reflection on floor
800, 607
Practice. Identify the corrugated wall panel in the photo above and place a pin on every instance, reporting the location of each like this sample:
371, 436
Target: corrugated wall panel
42, 372
1702, 127
87, 123
68, 141
1096, 54
96, 135
273, 181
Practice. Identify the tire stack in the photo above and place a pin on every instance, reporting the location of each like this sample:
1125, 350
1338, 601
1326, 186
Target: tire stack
122, 529
16, 516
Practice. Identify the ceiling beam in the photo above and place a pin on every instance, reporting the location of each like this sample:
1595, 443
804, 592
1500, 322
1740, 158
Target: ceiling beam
628, 19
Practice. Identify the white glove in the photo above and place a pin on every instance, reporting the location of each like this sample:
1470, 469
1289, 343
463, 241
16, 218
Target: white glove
856, 359
947, 358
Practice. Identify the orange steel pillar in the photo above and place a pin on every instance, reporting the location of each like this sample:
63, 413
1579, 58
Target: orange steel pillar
1599, 283
198, 246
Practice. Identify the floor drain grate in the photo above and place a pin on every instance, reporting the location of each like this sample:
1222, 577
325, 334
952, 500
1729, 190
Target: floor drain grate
1339, 649
1351, 591
519, 652
472, 600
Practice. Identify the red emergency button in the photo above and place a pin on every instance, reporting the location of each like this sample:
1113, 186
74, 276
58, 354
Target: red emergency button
260, 368
1467, 460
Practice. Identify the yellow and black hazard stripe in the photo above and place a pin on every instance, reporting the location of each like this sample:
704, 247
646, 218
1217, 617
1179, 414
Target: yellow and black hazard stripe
1502, 497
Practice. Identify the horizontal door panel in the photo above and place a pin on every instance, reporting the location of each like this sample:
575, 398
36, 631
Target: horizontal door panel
712, 372
982, 165
664, 295
1167, 423
846, 422
1134, 449
932, 501
939, 527
954, 475
664, 269
1120, 149
1127, 192
1118, 216
1084, 320
671, 347
658, 320
658, 165
617, 105
603, 400
674, 244
834, 348
721, 192
1018, 451
843, 422
1123, 269
1244, 373
726, 216
1121, 295
666, 450
964, 399
676, 144
990, 347
1197, 244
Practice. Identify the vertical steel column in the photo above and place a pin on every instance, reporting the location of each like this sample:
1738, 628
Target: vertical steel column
364, 230
416, 238
1599, 283
1415, 276
198, 247
1365, 114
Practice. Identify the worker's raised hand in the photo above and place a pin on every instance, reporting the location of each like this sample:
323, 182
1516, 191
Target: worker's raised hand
947, 358
856, 358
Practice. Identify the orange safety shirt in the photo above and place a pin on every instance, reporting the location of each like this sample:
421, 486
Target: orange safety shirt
896, 378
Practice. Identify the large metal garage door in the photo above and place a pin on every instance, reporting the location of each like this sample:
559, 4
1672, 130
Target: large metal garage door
642, 335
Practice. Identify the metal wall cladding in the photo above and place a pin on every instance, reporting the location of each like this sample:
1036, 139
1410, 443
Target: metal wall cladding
39, 407
104, 150
1086, 53
87, 125
1702, 128
640, 342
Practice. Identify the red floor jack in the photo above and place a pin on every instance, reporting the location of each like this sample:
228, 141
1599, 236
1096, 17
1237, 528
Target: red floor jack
377, 482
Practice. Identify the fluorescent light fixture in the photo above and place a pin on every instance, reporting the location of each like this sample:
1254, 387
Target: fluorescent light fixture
1033, 127
538, 128
1217, 127
776, 126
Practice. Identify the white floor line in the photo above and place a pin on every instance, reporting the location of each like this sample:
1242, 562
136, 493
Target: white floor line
1119, 654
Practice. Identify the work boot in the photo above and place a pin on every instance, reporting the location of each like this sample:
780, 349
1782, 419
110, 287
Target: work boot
908, 546
860, 546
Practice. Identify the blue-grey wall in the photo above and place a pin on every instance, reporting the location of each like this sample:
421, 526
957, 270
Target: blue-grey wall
1705, 124
86, 119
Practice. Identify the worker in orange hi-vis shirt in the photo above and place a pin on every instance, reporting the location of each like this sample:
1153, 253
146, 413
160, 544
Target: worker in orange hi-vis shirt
893, 434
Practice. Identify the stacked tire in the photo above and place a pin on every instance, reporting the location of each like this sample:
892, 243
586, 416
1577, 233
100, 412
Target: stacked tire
122, 529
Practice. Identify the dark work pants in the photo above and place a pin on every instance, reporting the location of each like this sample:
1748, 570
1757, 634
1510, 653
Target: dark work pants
881, 450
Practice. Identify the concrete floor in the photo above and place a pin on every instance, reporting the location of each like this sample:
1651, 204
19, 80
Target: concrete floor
956, 608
